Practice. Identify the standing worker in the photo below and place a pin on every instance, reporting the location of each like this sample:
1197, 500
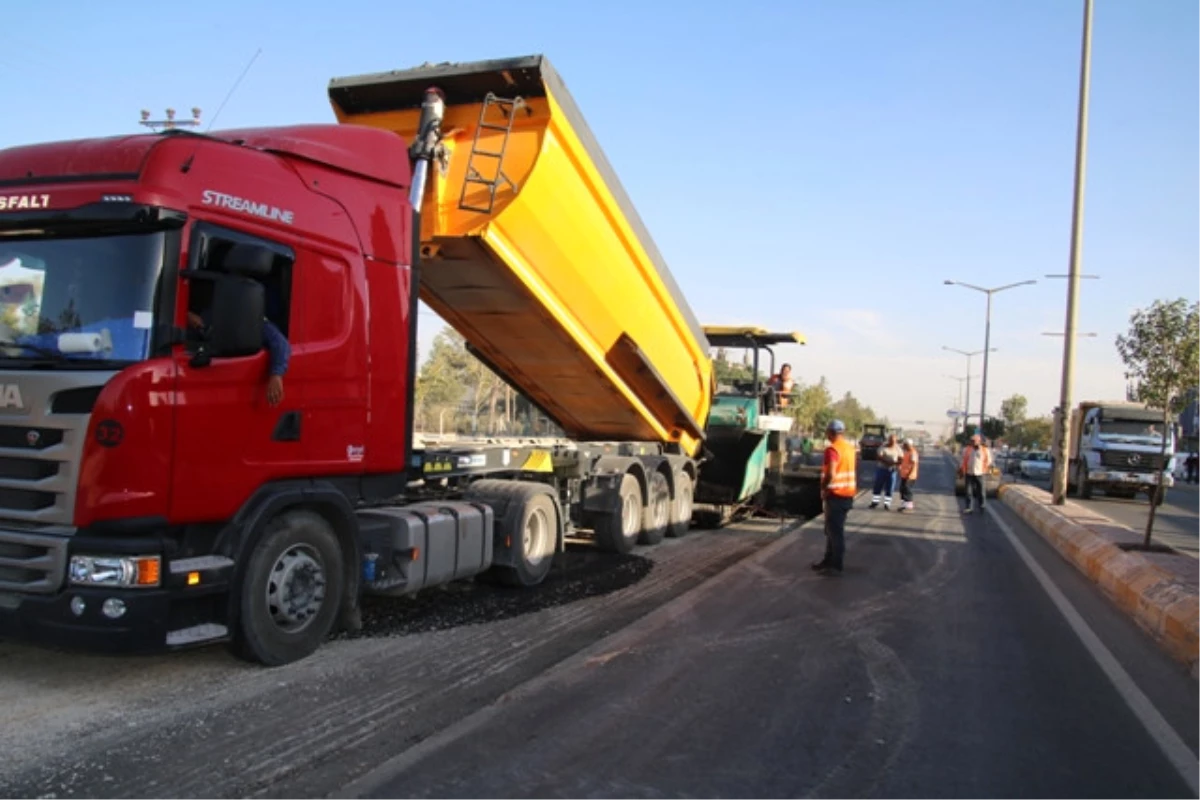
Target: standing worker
885, 474
976, 463
909, 467
838, 486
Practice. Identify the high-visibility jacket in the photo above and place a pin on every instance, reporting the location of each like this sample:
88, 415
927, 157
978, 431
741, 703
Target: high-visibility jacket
969, 455
909, 465
843, 479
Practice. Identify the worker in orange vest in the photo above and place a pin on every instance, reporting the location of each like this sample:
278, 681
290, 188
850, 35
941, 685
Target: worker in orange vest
838, 486
976, 463
909, 467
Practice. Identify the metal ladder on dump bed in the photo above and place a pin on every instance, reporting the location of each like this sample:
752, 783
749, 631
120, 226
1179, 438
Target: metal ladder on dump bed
508, 109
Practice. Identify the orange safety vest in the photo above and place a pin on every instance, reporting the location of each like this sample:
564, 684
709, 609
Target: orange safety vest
844, 481
969, 453
909, 465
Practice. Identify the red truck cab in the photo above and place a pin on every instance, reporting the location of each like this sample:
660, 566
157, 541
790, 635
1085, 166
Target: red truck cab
140, 462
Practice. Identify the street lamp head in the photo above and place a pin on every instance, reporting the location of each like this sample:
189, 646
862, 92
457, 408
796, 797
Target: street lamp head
948, 283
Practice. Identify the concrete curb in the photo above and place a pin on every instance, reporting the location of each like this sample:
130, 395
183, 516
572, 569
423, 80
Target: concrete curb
1163, 606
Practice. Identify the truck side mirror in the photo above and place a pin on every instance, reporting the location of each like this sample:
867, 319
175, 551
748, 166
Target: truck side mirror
249, 260
237, 319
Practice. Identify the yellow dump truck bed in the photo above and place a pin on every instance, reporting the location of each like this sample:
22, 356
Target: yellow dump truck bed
537, 256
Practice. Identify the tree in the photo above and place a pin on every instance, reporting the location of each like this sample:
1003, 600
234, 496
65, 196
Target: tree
809, 404
1161, 352
726, 372
993, 428
1032, 433
442, 382
1013, 410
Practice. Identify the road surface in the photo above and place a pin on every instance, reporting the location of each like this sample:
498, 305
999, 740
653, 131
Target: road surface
202, 724
939, 665
1177, 522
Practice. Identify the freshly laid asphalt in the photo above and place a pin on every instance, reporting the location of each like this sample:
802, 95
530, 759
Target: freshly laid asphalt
714, 665
936, 666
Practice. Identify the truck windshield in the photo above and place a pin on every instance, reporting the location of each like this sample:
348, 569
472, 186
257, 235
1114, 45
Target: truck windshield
1117, 429
86, 299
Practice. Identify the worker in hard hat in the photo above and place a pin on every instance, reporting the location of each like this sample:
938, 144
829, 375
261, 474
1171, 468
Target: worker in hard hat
909, 467
838, 485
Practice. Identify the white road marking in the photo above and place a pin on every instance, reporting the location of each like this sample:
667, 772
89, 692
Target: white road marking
1177, 752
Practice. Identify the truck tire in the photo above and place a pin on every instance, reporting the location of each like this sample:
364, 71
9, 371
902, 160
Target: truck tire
681, 506
617, 529
1085, 485
290, 590
533, 523
656, 516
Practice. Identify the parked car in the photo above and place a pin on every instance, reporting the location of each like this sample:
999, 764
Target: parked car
1012, 462
1036, 465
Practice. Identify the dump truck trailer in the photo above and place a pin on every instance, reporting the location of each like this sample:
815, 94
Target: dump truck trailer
152, 494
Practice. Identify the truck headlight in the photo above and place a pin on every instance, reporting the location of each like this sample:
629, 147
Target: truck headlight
122, 571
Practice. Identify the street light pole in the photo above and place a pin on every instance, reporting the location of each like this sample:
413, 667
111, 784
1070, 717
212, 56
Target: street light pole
987, 342
959, 404
967, 404
987, 335
1061, 425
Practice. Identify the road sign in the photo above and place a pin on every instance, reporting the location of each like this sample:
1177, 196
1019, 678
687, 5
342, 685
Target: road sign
955, 414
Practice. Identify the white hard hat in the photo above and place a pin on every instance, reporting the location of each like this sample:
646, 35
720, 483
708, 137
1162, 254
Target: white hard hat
908, 442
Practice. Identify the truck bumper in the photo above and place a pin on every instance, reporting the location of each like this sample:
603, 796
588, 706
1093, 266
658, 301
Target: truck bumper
1132, 479
50, 620
188, 607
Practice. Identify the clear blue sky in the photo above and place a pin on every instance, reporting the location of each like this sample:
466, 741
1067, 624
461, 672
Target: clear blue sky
820, 166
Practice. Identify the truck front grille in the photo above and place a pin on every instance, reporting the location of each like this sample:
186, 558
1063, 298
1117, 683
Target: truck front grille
31, 562
41, 445
36, 475
1131, 462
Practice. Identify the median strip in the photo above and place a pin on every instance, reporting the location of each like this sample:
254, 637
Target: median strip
1158, 590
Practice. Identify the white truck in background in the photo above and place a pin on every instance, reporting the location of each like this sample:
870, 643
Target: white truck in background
1116, 447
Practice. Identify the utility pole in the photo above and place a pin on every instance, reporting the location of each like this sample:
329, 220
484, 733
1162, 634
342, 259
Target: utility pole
170, 123
1061, 423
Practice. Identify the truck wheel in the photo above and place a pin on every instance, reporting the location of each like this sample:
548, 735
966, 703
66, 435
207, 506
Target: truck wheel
617, 530
290, 593
681, 507
535, 532
656, 516
1085, 486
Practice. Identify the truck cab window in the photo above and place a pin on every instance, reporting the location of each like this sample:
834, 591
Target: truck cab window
221, 254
